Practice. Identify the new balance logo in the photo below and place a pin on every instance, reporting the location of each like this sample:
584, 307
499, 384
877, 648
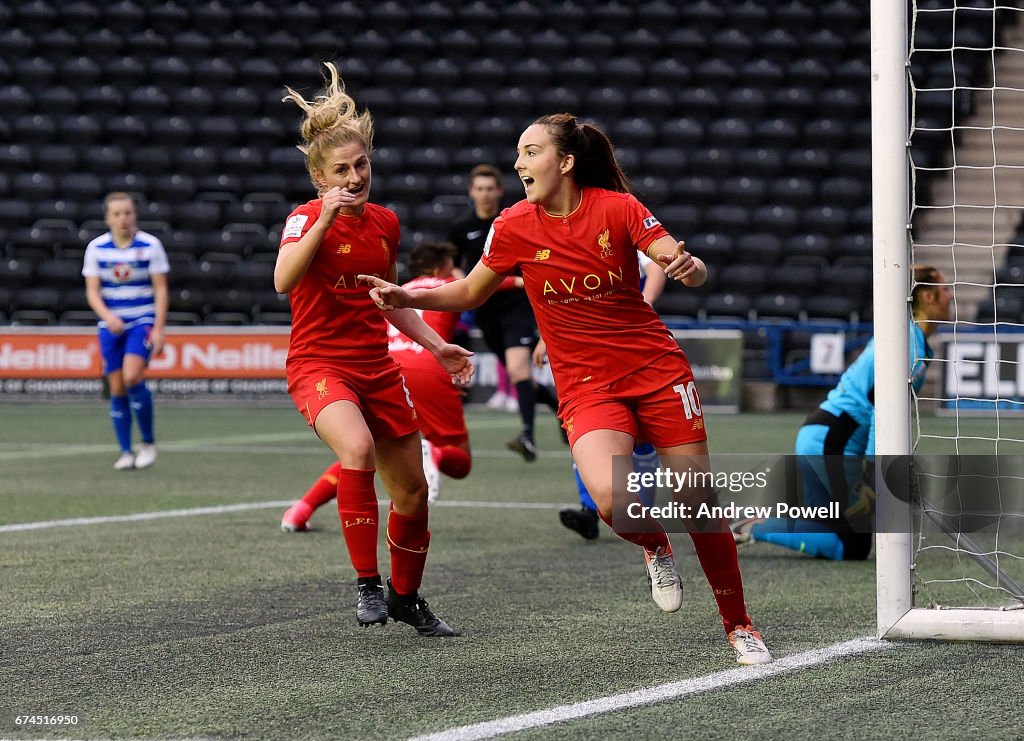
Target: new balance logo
542, 255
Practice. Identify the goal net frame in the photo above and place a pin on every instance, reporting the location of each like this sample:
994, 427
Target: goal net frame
897, 615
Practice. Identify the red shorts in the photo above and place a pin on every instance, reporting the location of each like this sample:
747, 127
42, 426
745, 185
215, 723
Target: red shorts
437, 399
378, 391
658, 404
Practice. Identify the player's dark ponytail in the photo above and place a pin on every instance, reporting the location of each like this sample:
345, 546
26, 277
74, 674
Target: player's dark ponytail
595, 163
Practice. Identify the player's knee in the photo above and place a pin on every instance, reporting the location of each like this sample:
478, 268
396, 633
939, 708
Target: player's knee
410, 499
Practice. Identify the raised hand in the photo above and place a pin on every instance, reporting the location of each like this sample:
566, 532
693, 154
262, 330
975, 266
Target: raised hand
333, 201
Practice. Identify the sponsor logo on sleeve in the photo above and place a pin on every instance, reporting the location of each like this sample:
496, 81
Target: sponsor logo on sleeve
293, 227
650, 222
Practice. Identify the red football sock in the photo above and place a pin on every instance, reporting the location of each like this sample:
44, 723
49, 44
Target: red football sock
717, 555
652, 536
452, 461
357, 508
408, 540
325, 488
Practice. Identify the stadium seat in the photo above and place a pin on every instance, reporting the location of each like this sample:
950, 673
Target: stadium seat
15, 99
271, 308
782, 220
634, 132
215, 73
467, 101
60, 209
420, 102
749, 279
15, 273
680, 133
394, 74
776, 132
62, 274
251, 275
759, 248
715, 249
594, 44
744, 190
728, 219
730, 306
57, 100
433, 17
505, 45
522, 16
831, 307
460, 45
746, 103
447, 132
34, 72
651, 189
415, 45
778, 44
439, 73
34, 128
760, 162
773, 307
399, 131
554, 99
193, 102
514, 101
714, 161
388, 14
828, 220
127, 131
815, 247
699, 103
81, 187
625, 73
678, 301
188, 299
34, 186
576, 72
792, 102
429, 160
796, 15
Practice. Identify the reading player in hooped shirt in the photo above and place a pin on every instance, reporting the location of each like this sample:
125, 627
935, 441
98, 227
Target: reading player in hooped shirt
620, 374
339, 372
438, 404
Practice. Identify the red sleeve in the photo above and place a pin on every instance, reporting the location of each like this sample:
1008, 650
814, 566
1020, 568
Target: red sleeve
644, 228
299, 222
499, 255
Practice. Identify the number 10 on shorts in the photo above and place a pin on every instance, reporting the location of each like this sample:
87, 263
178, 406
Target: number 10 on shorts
691, 402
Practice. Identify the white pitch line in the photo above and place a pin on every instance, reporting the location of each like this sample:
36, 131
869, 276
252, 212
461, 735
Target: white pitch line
660, 693
244, 507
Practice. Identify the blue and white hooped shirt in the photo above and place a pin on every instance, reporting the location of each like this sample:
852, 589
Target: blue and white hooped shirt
126, 283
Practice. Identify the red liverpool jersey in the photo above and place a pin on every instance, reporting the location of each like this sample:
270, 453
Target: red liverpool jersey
442, 322
333, 318
583, 280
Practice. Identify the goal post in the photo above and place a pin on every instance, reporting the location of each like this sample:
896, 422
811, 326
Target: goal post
894, 188
890, 208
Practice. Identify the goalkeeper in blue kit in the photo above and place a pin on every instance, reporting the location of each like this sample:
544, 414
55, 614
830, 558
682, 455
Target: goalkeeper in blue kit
835, 437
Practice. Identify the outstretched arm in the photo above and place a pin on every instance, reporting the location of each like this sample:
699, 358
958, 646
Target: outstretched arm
459, 295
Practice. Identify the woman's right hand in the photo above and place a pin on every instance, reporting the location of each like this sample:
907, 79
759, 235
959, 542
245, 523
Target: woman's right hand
332, 202
386, 295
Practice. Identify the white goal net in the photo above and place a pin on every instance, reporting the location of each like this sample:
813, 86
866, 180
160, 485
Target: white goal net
956, 571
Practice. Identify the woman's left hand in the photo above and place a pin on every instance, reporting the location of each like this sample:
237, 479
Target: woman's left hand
455, 360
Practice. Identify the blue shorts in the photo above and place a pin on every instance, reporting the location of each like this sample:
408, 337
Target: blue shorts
113, 347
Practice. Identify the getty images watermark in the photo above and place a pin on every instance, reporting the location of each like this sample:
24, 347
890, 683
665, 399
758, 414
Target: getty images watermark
734, 482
